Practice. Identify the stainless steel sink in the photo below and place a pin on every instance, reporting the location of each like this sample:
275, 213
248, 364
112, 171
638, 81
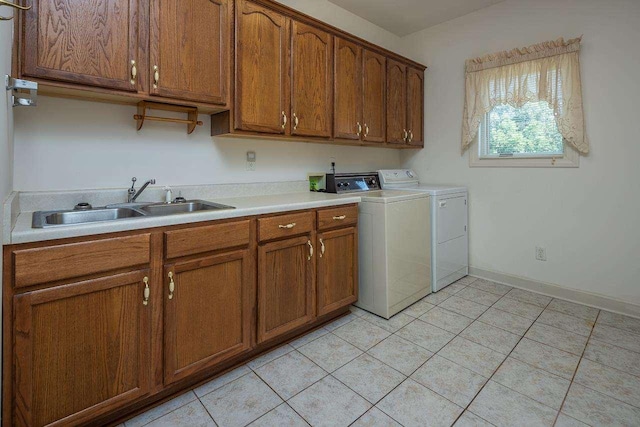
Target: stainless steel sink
188, 206
88, 215
47, 219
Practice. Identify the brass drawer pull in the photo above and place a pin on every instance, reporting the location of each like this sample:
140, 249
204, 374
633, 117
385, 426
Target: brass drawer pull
296, 121
156, 76
284, 120
366, 130
288, 226
172, 285
310, 250
134, 72
359, 128
405, 135
410, 136
147, 292
321, 248
339, 218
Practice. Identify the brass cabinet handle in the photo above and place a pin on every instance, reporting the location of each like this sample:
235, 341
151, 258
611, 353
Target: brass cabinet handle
156, 76
405, 135
134, 72
321, 248
339, 218
288, 226
15, 6
172, 285
147, 292
410, 136
366, 130
310, 250
359, 128
284, 120
295, 122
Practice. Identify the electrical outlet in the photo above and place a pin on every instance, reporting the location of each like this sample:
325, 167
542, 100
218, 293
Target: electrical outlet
251, 160
541, 253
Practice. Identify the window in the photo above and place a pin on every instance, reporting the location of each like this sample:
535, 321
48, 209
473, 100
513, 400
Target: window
527, 136
547, 130
528, 131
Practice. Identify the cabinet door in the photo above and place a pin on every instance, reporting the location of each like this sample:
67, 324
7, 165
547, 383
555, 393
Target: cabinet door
374, 96
81, 349
85, 42
337, 269
189, 49
415, 106
396, 102
312, 81
262, 95
208, 314
286, 286
347, 96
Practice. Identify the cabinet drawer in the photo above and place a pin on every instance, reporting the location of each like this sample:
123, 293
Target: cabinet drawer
191, 241
337, 217
48, 264
276, 227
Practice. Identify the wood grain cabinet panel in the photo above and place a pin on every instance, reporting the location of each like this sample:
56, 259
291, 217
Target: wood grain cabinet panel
374, 114
415, 106
81, 350
341, 216
283, 226
347, 115
286, 286
396, 102
88, 42
189, 49
209, 313
261, 81
337, 269
50, 263
312, 81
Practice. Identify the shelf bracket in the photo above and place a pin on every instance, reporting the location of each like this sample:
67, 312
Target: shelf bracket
18, 88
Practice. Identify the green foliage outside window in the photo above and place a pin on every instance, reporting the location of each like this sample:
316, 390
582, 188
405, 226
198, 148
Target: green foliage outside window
528, 130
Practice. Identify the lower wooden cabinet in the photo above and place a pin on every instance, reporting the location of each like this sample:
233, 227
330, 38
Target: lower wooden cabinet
286, 286
81, 350
208, 306
121, 321
337, 269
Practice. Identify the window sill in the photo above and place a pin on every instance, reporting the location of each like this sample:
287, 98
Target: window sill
570, 159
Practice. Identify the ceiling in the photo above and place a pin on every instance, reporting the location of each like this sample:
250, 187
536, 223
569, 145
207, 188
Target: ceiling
403, 17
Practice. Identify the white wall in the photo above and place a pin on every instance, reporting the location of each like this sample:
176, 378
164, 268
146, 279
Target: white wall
66, 144
586, 218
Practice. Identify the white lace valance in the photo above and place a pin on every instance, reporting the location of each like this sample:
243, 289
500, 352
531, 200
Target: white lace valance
548, 71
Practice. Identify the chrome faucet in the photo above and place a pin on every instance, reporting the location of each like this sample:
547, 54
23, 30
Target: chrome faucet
132, 193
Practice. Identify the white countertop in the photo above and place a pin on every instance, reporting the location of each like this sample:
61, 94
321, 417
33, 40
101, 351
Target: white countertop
244, 206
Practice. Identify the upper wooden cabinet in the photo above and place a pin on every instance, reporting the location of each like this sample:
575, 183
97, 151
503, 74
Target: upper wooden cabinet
81, 350
261, 80
396, 102
189, 49
347, 120
374, 114
208, 312
405, 104
415, 106
84, 42
312, 81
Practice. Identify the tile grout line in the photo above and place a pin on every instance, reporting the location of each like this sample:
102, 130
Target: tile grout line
499, 366
564, 399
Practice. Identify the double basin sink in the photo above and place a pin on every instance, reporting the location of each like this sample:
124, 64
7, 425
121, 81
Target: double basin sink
85, 214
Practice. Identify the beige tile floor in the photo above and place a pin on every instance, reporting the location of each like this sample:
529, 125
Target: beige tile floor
475, 354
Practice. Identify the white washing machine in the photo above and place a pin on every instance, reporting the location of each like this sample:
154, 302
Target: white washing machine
394, 241
448, 220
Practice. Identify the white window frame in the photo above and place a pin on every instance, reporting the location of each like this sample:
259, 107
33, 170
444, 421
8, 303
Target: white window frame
569, 159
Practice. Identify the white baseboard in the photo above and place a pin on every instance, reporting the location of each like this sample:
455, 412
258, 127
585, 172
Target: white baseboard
574, 295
